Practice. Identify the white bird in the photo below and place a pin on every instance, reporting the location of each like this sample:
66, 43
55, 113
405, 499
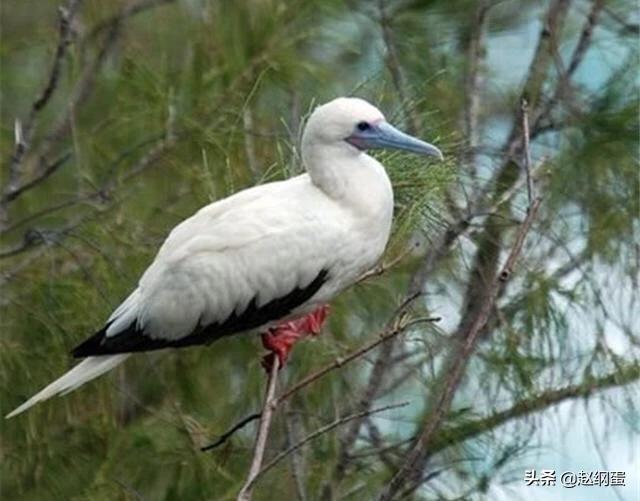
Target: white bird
270, 254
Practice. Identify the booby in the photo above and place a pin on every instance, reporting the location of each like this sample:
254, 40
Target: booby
268, 258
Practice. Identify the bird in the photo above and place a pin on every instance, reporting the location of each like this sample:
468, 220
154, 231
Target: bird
269, 258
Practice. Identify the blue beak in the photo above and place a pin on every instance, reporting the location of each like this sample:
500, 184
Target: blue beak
384, 135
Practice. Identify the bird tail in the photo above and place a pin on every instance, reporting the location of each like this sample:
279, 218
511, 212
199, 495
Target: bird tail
90, 368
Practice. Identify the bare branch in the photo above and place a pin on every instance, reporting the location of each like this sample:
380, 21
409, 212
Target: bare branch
563, 84
24, 131
585, 37
321, 431
393, 63
270, 404
101, 194
44, 173
402, 326
527, 151
384, 267
227, 434
476, 55
398, 328
82, 90
128, 11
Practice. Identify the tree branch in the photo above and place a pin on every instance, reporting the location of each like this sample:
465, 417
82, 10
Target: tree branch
82, 90
393, 63
476, 55
401, 326
24, 132
410, 467
270, 404
448, 437
321, 431
527, 152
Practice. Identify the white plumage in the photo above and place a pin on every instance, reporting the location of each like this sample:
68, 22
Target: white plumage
256, 256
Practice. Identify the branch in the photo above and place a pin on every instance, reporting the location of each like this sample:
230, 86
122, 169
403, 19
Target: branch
585, 36
81, 92
563, 84
474, 80
44, 173
384, 267
504, 180
101, 194
626, 27
340, 362
380, 369
24, 133
383, 337
393, 63
270, 404
322, 431
447, 438
527, 152
128, 11
227, 435
458, 363
98, 194
489, 241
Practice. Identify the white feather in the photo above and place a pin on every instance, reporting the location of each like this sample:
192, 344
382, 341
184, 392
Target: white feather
90, 368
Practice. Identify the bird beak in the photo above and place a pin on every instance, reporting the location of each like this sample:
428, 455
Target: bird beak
385, 135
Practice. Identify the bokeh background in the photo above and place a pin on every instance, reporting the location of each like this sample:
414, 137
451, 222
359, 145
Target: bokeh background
121, 118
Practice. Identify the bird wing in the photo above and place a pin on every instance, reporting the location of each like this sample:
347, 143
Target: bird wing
235, 265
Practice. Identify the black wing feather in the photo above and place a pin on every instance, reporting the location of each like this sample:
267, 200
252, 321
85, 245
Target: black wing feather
133, 339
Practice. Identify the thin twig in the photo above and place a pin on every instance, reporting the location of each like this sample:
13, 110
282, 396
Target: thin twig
270, 404
65, 37
321, 431
563, 85
24, 132
101, 194
44, 173
384, 267
227, 434
585, 37
383, 337
339, 362
380, 370
128, 11
626, 27
393, 63
524, 106
82, 90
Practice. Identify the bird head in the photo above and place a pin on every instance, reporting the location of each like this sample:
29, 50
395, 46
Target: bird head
362, 126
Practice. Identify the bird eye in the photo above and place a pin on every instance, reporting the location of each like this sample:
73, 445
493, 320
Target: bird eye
362, 126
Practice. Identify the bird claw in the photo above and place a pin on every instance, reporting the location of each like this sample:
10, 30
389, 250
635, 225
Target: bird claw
279, 340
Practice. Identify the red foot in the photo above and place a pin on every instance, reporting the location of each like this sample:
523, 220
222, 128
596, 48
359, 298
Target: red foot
279, 340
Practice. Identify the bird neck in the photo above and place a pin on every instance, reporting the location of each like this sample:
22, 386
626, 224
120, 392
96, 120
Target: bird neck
350, 176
